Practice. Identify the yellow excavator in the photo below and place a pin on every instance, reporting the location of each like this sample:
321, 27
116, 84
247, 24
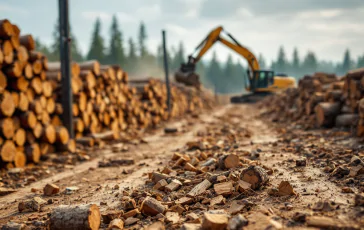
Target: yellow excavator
259, 82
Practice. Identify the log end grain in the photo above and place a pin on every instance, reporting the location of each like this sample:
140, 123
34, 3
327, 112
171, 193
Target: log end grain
254, 175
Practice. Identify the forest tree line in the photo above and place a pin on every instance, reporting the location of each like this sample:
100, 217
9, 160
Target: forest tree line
134, 56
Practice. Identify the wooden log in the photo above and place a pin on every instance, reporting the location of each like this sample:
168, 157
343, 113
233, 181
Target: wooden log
49, 134
254, 175
7, 151
7, 128
19, 84
116, 224
62, 135
30, 138
14, 70
36, 85
1, 57
19, 137
47, 89
37, 130
23, 102
224, 188
199, 188
346, 120
36, 106
6, 29
214, 221
20, 159
32, 153
21, 54
3, 82
229, 161
7, 106
27, 41
28, 120
326, 113
91, 65
75, 217
152, 207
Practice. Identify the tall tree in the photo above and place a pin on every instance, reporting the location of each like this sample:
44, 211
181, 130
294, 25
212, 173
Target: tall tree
261, 61
179, 56
281, 64
360, 63
310, 63
42, 48
214, 73
295, 60
54, 50
346, 62
132, 60
142, 37
116, 53
97, 48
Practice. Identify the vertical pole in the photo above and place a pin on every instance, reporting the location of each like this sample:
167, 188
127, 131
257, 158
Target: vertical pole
166, 71
65, 56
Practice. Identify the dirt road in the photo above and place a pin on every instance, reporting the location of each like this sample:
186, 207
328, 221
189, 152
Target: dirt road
232, 128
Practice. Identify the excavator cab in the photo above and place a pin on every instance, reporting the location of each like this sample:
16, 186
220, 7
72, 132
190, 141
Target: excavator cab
261, 79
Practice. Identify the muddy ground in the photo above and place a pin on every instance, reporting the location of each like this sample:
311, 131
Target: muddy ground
322, 188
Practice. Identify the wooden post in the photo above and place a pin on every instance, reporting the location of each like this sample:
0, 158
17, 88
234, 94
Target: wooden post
166, 70
65, 56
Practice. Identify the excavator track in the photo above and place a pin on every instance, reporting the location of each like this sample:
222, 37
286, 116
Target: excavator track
249, 98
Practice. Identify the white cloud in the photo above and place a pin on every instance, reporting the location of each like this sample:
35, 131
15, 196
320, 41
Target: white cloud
92, 15
124, 17
149, 13
10, 9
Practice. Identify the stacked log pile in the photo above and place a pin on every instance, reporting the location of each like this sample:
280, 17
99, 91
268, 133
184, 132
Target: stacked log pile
322, 100
30, 102
29, 115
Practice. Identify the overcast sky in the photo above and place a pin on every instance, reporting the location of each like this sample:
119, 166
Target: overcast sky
327, 27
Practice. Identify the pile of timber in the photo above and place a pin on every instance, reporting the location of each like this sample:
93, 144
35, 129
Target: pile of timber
153, 96
104, 104
30, 125
322, 100
104, 99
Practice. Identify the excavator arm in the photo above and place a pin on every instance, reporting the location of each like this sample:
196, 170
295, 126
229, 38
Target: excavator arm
213, 37
187, 75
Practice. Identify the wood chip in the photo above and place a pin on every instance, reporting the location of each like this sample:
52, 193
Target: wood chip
50, 189
31, 205
285, 189
225, 188
116, 224
214, 221
172, 217
199, 189
151, 207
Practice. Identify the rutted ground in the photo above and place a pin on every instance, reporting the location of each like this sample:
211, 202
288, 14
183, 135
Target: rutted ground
233, 129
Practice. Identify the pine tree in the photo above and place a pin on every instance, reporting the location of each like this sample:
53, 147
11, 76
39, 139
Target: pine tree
296, 63
97, 47
310, 63
42, 48
132, 61
346, 62
360, 63
54, 50
179, 57
142, 37
214, 73
116, 53
261, 61
227, 84
281, 64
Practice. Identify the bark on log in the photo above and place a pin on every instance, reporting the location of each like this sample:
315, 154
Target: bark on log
326, 113
254, 175
27, 41
346, 120
75, 217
